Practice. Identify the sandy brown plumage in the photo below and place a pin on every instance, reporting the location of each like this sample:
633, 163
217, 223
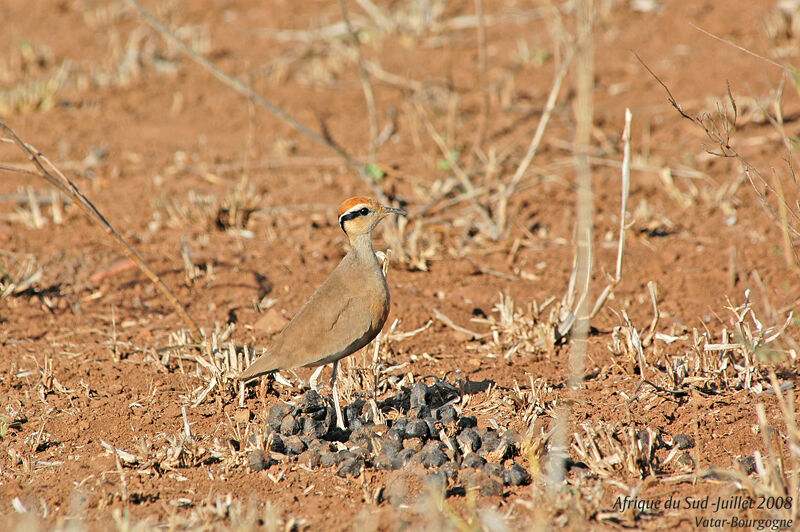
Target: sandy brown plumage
347, 311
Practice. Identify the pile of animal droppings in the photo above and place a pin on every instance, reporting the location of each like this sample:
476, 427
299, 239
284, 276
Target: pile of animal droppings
429, 432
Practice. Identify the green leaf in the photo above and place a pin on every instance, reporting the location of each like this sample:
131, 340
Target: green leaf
374, 172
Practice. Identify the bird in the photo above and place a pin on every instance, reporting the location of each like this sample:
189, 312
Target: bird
346, 312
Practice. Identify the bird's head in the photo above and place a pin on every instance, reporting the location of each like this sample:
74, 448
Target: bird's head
360, 215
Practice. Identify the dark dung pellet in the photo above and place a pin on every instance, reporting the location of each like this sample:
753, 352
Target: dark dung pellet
391, 447
277, 413
467, 422
516, 475
314, 428
310, 457
493, 469
474, 461
485, 484
450, 469
489, 440
290, 426
277, 445
748, 465
395, 434
419, 412
351, 467
258, 460
419, 394
447, 414
311, 402
469, 440
417, 428
294, 445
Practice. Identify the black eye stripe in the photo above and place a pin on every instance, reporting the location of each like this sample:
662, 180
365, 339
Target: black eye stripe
352, 214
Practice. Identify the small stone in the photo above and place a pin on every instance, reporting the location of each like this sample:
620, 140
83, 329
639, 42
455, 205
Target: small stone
258, 460
493, 469
276, 415
748, 465
419, 395
644, 438
351, 467
447, 414
419, 412
467, 422
417, 428
294, 445
683, 441
516, 475
290, 426
474, 461
242, 415
469, 440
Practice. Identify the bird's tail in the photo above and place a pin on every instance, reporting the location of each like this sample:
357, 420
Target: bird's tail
262, 366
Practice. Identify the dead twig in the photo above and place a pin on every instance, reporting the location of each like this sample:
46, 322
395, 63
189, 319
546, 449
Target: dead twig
365, 84
66, 186
245, 90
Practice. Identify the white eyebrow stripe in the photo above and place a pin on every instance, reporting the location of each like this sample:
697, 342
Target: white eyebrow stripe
355, 208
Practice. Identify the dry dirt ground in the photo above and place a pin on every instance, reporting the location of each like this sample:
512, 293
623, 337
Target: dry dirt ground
236, 211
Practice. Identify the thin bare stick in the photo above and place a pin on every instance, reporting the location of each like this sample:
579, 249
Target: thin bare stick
17, 169
66, 186
245, 90
365, 84
462, 176
742, 49
626, 187
552, 98
122, 480
719, 132
450, 323
483, 68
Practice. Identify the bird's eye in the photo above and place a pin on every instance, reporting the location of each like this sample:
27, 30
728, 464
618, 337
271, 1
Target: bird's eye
364, 211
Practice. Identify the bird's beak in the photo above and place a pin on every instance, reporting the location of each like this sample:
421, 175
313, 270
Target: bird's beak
394, 210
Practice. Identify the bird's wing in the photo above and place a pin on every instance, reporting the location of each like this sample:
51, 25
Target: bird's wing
337, 332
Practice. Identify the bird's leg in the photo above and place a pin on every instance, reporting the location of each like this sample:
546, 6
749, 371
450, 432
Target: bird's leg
335, 392
312, 382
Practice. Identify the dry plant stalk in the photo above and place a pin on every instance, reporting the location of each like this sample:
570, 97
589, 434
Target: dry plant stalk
66, 186
718, 129
247, 91
369, 96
